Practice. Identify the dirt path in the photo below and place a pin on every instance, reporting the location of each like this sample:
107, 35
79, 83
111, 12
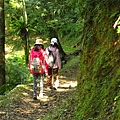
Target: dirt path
22, 107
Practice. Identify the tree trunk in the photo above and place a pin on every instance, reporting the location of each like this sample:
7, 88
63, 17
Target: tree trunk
2, 48
24, 34
24, 37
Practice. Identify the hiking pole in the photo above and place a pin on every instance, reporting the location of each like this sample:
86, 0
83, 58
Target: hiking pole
52, 77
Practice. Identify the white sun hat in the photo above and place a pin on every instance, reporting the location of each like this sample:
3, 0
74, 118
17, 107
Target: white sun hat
53, 40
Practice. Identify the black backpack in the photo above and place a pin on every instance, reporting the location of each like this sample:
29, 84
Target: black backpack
51, 58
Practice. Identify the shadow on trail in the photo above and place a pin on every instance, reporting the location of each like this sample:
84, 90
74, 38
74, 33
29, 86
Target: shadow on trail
19, 104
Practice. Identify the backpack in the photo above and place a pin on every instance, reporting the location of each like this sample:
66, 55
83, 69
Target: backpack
35, 65
51, 58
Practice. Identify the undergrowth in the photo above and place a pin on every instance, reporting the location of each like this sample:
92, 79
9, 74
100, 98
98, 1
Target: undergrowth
16, 72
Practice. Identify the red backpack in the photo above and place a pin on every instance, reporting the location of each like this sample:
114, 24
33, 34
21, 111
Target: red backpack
36, 61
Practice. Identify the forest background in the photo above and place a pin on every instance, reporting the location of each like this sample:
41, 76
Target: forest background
88, 28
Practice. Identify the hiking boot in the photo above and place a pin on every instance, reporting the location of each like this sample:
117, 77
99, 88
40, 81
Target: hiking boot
54, 88
49, 87
35, 97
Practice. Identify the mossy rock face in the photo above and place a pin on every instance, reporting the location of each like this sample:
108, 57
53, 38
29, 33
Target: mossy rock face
99, 75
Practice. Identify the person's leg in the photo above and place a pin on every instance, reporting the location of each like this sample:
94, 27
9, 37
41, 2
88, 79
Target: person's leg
56, 81
49, 78
41, 85
35, 78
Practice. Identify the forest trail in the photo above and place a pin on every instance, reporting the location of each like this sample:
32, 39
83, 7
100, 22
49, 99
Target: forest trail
22, 106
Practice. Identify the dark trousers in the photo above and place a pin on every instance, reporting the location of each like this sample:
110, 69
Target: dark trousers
35, 80
52, 77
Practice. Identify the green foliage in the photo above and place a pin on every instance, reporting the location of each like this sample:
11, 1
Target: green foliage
16, 72
118, 29
14, 23
63, 16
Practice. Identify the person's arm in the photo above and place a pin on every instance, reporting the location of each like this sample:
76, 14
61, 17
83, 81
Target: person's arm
45, 63
58, 59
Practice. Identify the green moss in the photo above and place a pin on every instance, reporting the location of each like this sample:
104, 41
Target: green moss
99, 75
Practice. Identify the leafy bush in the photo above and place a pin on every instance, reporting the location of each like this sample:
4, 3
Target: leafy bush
16, 71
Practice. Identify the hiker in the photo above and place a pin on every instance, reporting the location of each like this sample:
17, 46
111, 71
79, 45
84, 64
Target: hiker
53, 67
37, 55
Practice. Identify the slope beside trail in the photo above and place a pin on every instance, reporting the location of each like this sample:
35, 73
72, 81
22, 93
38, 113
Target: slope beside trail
19, 104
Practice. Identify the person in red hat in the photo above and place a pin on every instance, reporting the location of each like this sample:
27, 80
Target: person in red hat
38, 66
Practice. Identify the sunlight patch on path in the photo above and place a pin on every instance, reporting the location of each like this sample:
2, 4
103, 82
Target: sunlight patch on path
66, 82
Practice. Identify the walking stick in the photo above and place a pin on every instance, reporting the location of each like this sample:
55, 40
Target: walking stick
52, 77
